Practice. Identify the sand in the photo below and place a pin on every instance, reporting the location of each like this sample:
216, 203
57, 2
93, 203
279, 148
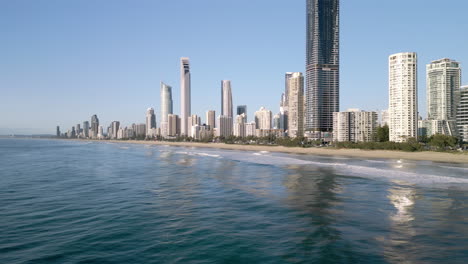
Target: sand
356, 153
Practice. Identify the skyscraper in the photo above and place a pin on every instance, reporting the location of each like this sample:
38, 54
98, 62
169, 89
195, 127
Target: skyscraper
322, 64
86, 129
115, 129
94, 126
296, 105
224, 126
263, 118
403, 96
58, 131
185, 95
150, 122
242, 109
226, 99
462, 114
166, 101
443, 81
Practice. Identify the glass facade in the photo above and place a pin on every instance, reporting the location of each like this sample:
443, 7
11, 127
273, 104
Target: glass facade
322, 69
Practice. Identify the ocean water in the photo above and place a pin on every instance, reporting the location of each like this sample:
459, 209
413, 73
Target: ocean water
95, 202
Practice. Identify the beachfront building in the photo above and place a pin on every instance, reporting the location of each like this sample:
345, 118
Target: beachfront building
224, 126
296, 105
150, 123
443, 82
239, 126
242, 109
263, 118
173, 125
185, 95
403, 96
166, 106
462, 114
250, 129
94, 126
354, 125
226, 98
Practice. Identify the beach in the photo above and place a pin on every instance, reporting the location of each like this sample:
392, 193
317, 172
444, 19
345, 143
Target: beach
355, 153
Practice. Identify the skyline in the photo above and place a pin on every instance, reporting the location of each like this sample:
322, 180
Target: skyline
257, 81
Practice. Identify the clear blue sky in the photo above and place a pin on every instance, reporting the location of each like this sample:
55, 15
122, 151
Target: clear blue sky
62, 61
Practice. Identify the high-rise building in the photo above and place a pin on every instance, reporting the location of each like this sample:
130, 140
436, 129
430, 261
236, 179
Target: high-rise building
185, 95
193, 120
78, 130
226, 98
100, 134
384, 118
443, 82
250, 129
58, 132
322, 59
140, 130
211, 119
462, 114
403, 96
115, 129
86, 129
285, 95
173, 125
166, 103
354, 125
224, 126
239, 126
242, 109
150, 122
296, 105
277, 121
94, 126
263, 118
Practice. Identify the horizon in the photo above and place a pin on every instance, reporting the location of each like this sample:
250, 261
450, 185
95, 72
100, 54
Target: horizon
112, 64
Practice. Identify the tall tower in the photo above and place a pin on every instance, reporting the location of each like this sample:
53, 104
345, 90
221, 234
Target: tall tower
185, 107
94, 126
403, 96
150, 122
226, 99
462, 114
296, 105
322, 64
166, 101
443, 81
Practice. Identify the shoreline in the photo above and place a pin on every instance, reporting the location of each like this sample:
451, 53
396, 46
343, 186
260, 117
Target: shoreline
353, 153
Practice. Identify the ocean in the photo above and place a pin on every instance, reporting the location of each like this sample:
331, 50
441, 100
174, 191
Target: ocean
96, 202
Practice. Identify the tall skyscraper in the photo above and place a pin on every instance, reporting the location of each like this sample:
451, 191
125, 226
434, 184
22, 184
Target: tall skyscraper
185, 95
166, 101
226, 99
211, 119
403, 96
285, 96
150, 122
115, 129
322, 59
94, 126
242, 109
296, 105
86, 129
462, 114
443, 82
58, 131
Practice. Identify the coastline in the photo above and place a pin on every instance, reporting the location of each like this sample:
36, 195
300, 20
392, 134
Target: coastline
353, 153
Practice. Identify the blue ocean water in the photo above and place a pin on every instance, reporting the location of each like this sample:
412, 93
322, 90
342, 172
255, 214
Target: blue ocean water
95, 202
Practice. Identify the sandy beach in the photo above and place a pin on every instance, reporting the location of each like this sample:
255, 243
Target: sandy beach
356, 153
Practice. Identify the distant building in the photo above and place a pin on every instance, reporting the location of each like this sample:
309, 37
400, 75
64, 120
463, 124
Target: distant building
140, 130
403, 96
263, 118
86, 129
58, 132
354, 125
166, 106
150, 122
250, 129
173, 125
277, 121
94, 126
185, 95
296, 105
239, 126
211, 119
462, 114
242, 109
443, 82
226, 98
115, 129
384, 118
224, 126
100, 134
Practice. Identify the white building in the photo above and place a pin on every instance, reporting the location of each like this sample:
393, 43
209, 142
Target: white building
263, 118
462, 114
185, 95
443, 81
250, 129
403, 96
224, 126
384, 118
296, 105
166, 106
354, 125
226, 99
239, 126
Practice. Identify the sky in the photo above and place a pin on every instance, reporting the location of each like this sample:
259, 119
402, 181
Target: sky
63, 61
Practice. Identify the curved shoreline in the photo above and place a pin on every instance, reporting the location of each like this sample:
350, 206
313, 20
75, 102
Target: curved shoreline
354, 153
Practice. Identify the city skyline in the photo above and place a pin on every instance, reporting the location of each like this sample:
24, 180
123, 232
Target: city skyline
90, 99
